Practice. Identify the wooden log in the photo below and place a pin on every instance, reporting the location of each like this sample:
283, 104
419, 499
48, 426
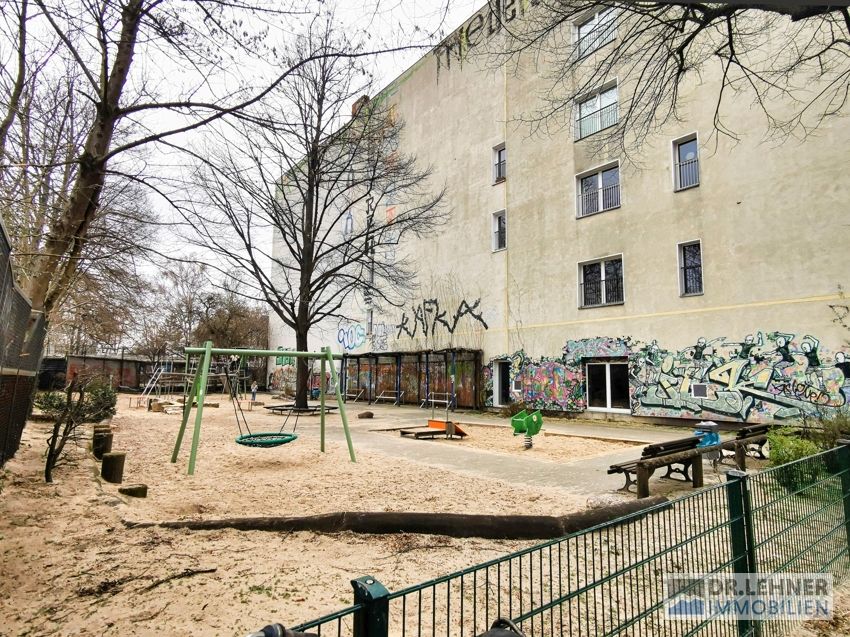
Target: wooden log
101, 444
112, 467
500, 527
97, 429
134, 490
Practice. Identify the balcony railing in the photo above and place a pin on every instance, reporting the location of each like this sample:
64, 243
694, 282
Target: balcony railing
500, 239
500, 170
692, 279
601, 35
596, 293
597, 121
592, 201
687, 174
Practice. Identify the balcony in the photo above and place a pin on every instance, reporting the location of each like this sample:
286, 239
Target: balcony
593, 201
598, 120
598, 293
687, 174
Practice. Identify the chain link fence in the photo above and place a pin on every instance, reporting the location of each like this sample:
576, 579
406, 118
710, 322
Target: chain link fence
19, 355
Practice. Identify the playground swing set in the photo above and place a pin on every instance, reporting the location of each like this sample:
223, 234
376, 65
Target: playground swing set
197, 395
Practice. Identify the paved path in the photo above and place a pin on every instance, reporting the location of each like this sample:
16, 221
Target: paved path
583, 476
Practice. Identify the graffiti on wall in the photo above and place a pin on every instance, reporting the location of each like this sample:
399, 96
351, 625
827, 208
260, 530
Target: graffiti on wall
351, 336
599, 347
768, 376
478, 29
428, 318
380, 337
757, 378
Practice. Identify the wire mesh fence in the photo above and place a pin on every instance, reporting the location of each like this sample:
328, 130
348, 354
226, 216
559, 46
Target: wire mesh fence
609, 580
19, 355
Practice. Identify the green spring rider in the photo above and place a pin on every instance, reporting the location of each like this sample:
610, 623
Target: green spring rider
527, 424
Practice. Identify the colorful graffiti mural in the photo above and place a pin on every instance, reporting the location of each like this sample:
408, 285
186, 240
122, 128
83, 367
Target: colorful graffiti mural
762, 377
759, 378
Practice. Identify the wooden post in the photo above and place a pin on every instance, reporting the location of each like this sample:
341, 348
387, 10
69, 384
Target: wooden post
112, 467
327, 352
199, 411
741, 457
101, 444
643, 475
696, 472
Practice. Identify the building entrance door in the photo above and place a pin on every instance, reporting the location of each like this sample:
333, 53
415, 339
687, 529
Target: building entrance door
502, 384
608, 387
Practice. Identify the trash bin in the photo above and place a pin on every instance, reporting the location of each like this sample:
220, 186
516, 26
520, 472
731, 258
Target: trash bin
710, 436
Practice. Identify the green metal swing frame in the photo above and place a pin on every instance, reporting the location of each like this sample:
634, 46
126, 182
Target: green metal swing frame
198, 392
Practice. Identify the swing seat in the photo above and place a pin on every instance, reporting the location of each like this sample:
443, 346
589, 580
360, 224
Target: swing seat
265, 439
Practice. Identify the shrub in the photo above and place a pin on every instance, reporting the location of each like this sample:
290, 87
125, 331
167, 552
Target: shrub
832, 428
787, 447
51, 403
100, 401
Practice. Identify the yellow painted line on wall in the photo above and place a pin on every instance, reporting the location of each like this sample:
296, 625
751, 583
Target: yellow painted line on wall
703, 310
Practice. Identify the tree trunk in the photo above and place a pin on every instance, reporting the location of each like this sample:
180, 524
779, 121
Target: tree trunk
502, 527
302, 380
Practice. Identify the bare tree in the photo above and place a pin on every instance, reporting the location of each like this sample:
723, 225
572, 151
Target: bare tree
791, 61
148, 72
337, 192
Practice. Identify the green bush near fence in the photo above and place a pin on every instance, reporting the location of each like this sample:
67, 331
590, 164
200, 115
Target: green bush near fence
99, 402
787, 446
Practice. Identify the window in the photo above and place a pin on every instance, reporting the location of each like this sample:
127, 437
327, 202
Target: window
699, 390
500, 156
602, 282
599, 191
608, 386
370, 317
686, 170
500, 231
596, 32
597, 113
690, 268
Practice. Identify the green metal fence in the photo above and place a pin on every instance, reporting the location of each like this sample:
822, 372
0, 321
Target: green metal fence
607, 580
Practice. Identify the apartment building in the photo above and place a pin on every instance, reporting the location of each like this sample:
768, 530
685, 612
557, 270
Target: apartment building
703, 278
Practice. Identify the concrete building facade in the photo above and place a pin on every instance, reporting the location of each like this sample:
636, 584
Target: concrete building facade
702, 279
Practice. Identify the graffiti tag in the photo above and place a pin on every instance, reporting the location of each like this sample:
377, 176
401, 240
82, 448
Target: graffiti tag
351, 337
428, 316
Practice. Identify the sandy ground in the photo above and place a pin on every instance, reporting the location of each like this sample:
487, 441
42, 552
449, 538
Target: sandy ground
544, 445
70, 566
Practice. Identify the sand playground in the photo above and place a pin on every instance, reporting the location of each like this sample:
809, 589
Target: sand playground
73, 565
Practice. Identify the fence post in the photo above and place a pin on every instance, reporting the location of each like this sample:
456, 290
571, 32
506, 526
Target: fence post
373, 620
843, 453
741, 532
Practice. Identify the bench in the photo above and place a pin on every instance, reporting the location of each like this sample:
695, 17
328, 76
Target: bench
659, 451
387, 394
755, 449
353, 393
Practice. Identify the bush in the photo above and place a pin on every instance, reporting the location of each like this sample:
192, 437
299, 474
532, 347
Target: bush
832, 428
786, 447
50, 403
101, 399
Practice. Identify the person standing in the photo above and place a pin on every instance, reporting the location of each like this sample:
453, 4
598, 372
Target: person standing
254, 391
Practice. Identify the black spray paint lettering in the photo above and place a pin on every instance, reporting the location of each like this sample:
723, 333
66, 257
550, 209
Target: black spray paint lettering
428, 316
494, 15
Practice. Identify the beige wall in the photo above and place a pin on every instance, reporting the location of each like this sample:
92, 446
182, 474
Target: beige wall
772, 220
